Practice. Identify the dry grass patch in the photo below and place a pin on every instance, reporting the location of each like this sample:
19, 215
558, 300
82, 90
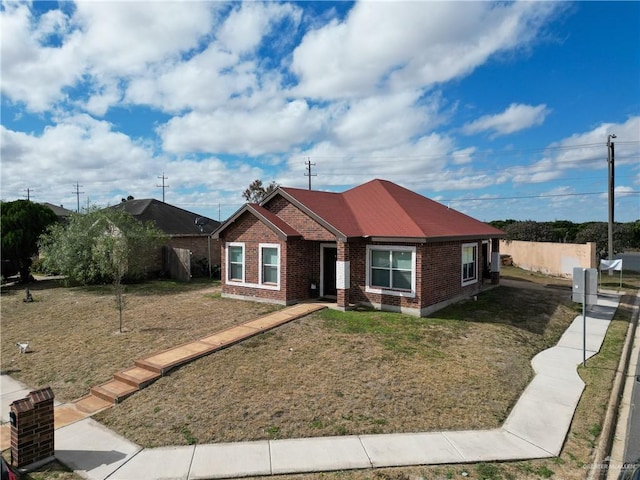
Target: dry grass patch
576, 456
73, 332
336, 373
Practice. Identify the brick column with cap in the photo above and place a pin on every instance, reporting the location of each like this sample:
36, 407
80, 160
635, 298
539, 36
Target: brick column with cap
32, 429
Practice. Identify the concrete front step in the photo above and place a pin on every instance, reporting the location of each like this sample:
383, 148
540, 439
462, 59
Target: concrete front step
137, 376
91, 404
114, 391
163, 362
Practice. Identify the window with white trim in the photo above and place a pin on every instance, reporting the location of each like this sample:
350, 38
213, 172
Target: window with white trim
469, 263
235, 262
391, 268
269, 263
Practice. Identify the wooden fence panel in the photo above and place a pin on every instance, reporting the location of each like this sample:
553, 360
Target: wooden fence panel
178, 263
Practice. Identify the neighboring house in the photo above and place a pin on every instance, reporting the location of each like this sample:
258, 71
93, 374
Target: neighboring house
377, 244
184, 229
62, 213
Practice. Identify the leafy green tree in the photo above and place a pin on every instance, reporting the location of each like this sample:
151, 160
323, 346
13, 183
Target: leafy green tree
564, 231
598, 232
502, 224
634, 228
102, 246
258, 192
91, 248
22, 222
529, 231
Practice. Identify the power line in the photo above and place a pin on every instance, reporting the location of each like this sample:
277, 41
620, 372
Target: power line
28, 190
163, 186
518, 197
309, 164
77, 194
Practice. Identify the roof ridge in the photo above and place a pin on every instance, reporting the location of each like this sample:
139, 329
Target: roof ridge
386, 184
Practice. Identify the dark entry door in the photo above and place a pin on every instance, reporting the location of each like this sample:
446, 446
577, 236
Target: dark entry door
486, 271
329, 272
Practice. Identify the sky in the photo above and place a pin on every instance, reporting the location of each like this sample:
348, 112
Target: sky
499, 110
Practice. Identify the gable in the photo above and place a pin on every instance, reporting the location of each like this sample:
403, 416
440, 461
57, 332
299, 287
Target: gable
308, 226
248, 227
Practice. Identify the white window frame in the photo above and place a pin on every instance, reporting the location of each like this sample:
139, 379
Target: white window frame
391, 291
228, 278
261, 281
469, 281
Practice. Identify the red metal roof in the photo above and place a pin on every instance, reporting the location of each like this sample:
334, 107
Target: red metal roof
380, 208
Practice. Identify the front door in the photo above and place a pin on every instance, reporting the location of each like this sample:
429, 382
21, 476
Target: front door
329, 258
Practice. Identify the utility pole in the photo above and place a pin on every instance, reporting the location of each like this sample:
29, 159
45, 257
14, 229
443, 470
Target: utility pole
611, 163
28, 190
309, 165
77, 193
163, 186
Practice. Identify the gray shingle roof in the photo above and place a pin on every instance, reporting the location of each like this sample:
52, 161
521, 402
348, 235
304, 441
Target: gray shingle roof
169, 219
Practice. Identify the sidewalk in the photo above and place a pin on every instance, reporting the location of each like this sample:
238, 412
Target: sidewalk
624, 432
95, 452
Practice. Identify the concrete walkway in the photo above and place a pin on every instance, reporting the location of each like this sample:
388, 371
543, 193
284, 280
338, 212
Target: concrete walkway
149, 369
97, 453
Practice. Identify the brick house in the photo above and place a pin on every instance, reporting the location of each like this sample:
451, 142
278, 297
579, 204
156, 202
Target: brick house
184, 229
377, 244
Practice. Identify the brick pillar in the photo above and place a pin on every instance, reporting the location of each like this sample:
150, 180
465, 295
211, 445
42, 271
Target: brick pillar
32, 435
495, 261
343, 275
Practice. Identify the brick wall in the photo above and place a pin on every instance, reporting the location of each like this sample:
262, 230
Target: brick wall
303, 267
250, 231
438, 275
32, 432
442, 265
438, 265
358, 293
309, 228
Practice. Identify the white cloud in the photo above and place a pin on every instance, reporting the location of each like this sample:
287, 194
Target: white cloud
126, 39
624, 190
245, 27
515, 118
410, 45
463, 156
581, 151
417, 163
272, 127
32, 72
76, 149
205, 81
383, 121
589, 150
98, 44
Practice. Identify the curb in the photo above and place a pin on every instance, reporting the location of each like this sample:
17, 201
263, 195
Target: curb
600, 465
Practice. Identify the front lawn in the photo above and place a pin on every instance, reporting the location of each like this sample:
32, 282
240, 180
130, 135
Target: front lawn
73, 333
335, 373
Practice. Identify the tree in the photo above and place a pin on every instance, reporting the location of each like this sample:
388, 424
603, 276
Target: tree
598, 232
102, 246
257, 192
90, 248
22, 222
529, 231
